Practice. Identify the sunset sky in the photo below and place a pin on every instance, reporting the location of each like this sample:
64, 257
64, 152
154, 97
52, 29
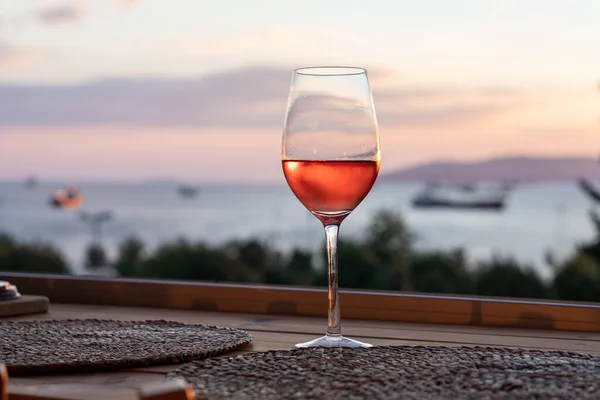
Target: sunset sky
196, 90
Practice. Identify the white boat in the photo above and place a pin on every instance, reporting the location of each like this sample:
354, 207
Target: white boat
438, 195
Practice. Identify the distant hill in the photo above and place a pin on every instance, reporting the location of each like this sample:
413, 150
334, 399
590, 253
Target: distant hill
530, 169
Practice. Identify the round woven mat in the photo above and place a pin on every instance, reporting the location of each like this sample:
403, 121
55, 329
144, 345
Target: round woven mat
47, 346
397, 373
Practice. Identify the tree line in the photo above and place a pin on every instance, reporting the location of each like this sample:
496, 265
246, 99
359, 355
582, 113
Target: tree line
385, 258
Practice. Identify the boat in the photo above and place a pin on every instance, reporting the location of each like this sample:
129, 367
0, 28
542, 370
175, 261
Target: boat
31, 182
66, 199
458, 196
96, 218
187, 191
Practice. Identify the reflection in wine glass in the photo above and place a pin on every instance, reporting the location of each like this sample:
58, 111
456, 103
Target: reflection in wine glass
330, 157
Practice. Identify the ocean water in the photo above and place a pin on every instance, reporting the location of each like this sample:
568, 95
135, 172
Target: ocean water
538, 218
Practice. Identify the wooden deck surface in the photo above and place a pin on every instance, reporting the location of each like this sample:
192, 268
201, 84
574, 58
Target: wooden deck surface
273, 333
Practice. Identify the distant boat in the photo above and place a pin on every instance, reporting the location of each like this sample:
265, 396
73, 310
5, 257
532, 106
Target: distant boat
96, 218
66, 199
458, 196
31, 182
187, 191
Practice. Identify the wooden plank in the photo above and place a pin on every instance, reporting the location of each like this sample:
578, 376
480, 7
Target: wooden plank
532, 316
173, 390
498, 330
71, 392
283, 335
281, 300
120, 385
316, 326
24, 305
295, 324
299, 323
3, 382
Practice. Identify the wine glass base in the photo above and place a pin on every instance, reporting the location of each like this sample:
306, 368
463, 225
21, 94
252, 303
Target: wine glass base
333, 341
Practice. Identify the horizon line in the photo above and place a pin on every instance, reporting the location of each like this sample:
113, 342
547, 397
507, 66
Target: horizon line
272, 182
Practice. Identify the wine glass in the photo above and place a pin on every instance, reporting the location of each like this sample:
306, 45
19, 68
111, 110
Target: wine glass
330, 159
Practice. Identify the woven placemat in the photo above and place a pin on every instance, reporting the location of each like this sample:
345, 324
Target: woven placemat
47, 346
397, 373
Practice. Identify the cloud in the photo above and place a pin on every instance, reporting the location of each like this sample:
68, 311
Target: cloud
253, 97
258, 42
7, 53
330, 113
127, 3
291, 46
13, 56
61, 13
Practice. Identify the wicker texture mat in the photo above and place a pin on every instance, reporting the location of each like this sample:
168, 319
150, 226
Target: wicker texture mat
397, 373
47, 346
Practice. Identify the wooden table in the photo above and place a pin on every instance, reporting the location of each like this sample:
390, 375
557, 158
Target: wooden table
274, 333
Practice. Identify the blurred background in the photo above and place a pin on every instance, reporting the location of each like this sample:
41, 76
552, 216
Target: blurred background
143, 138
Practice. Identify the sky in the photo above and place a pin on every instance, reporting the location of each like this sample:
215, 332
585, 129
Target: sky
139, 89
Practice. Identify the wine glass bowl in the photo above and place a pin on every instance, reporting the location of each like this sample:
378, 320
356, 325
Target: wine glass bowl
330, 190
330, 160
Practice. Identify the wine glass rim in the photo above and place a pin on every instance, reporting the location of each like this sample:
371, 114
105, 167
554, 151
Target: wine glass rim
330, 70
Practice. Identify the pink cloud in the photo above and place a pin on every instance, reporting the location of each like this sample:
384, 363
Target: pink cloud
228, 125
127, 3
245, 98
11, 56
133, 153
62, 13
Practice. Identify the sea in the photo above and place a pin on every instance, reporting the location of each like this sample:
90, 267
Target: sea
538, 218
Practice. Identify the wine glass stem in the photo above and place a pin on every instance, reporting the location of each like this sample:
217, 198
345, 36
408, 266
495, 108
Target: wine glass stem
333, 320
